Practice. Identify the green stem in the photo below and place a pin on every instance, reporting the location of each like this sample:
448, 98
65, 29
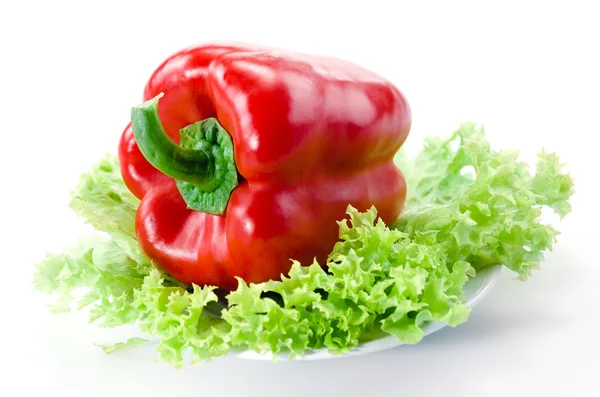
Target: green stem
189, 165
202, 165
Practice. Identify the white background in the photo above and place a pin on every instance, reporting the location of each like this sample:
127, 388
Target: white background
70, 72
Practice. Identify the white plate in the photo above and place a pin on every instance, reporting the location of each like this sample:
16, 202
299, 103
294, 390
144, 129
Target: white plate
475, 290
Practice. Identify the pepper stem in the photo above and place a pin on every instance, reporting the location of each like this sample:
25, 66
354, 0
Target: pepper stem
202, 165
189, 165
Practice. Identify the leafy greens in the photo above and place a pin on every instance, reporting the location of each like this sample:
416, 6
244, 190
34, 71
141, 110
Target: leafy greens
379, 279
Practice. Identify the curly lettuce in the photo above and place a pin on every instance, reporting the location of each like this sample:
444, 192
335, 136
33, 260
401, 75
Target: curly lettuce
482, 205
467, 207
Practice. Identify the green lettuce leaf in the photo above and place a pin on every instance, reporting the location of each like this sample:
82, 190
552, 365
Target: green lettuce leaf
468, 206
490, 215
131, 342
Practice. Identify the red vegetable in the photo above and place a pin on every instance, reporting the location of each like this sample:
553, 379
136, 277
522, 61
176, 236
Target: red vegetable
310, 135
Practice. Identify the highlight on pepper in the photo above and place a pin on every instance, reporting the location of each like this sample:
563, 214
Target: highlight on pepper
262, 200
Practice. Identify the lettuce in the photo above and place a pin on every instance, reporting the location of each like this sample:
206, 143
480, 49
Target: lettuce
490, 215
468, 206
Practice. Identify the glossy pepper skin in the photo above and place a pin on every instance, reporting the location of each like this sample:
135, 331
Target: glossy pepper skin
311, 136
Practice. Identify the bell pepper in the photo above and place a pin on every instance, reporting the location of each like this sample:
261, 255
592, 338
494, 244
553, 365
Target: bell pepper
245, 158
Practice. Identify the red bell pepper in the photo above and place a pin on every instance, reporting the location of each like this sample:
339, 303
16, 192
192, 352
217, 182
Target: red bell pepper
277, 145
